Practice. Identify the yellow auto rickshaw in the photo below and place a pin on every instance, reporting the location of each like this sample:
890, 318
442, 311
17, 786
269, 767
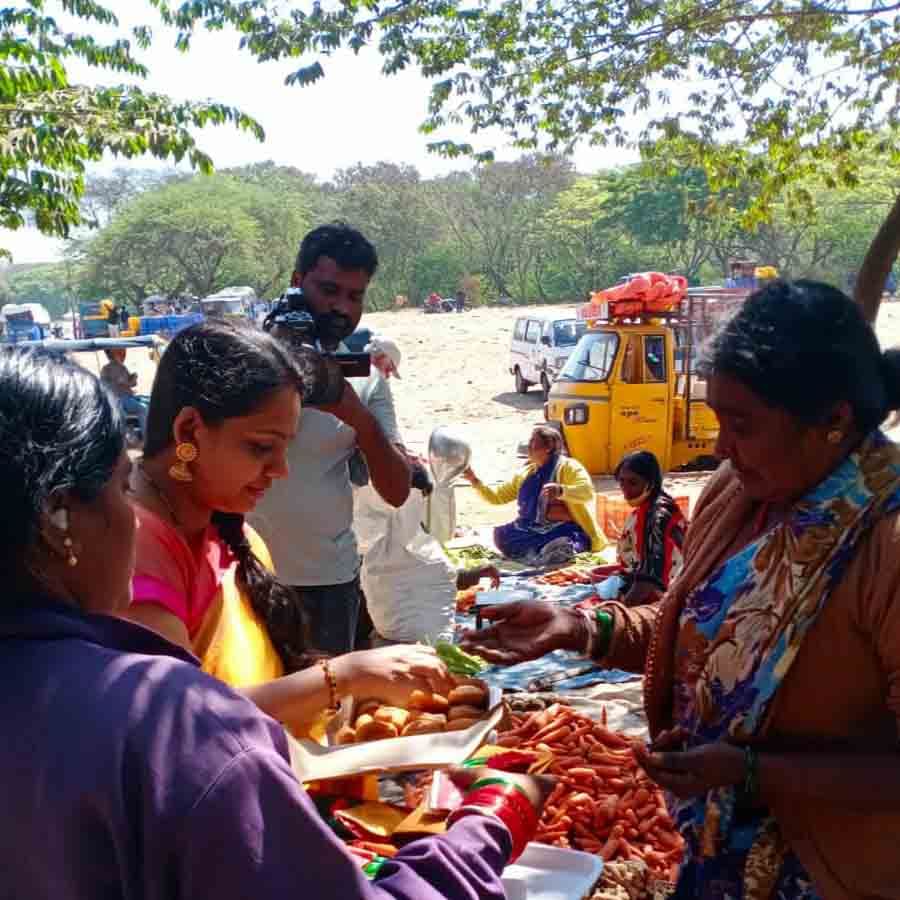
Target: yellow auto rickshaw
632, 384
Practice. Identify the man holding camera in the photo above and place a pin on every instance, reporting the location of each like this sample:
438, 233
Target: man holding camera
349, 438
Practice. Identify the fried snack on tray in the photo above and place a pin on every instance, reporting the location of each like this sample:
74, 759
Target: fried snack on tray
460, 724
392, 715
364, 707
370, 729
425, 700
464, 712
427, 723
468, 695
427, 713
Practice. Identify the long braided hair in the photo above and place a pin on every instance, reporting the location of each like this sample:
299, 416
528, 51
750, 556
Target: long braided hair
226, 370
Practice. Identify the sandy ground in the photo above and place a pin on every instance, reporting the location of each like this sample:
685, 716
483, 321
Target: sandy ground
455, 372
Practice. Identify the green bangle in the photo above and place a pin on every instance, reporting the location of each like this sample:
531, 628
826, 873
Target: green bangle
605, 624
484, 782
371, 869
751, 773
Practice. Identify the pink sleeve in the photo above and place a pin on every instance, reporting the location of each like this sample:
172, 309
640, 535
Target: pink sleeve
162, 572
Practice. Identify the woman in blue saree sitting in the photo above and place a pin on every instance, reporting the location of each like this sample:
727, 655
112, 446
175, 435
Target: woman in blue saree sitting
556, 505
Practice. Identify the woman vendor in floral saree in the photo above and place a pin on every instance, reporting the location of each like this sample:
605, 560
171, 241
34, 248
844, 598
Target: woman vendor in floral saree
224, 408
772, 664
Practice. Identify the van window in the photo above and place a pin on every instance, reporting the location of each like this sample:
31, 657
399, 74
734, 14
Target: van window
519, 331
592, 359
533, 332
548, 331
567, 333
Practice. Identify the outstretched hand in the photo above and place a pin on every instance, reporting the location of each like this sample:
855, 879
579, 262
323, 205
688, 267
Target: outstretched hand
527, 630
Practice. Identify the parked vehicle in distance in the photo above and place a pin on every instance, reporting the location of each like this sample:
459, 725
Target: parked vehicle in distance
633, 383
541, 344
231, 301
24, 322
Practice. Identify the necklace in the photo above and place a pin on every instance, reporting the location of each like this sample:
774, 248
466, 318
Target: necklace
161, 494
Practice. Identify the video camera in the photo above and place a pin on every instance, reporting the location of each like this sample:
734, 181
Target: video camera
314, 338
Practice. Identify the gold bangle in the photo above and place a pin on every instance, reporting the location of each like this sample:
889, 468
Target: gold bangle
331, 683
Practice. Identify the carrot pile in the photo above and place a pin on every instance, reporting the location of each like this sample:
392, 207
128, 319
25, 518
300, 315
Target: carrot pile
571, 575
603, 801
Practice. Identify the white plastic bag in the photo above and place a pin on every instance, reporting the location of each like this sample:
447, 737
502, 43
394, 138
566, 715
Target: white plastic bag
409, 583
440, 513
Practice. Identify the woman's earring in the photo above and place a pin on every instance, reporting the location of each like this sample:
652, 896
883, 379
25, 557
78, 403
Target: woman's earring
186, 453
835, 436
72, 559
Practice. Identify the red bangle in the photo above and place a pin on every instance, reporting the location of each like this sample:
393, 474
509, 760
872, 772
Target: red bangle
507, 804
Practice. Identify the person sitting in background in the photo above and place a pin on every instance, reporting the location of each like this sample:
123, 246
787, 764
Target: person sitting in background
649, 549
122, 383
556, 505
125, 770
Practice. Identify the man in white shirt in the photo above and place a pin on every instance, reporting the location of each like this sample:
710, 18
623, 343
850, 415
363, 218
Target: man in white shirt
307, 519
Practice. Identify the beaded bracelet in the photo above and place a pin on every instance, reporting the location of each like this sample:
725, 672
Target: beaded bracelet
331, 683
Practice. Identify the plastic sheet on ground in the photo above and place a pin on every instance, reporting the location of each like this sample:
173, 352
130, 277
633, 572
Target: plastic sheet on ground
523, 676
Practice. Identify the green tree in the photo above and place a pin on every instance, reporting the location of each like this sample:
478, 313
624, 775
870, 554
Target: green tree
51, 128
44, 283
441, 268
807, 88
673, 217
195, 237
494, 215
385, 201
105, 195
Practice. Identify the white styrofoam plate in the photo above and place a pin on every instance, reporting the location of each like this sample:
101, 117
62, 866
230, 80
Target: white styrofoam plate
552, 873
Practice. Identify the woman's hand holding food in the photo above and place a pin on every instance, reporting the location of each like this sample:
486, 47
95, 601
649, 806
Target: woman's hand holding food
694, 772
391, 673
470, 475
516, 800
528, 630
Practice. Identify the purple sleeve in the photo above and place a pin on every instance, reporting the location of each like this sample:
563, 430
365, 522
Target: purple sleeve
255, 833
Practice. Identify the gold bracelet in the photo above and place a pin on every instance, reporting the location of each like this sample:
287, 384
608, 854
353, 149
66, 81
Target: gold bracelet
331, 683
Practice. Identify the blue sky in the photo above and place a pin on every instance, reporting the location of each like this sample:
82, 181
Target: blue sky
355, 114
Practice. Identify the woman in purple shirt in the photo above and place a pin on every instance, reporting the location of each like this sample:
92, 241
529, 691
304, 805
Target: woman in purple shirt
126, 771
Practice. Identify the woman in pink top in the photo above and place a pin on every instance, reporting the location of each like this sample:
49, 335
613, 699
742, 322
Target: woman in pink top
225, 406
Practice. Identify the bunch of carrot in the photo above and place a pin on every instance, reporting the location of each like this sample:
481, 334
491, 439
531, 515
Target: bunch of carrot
571, 575
603, 801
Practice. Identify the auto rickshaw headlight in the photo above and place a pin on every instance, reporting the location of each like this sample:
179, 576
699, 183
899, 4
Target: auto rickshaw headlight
576, 415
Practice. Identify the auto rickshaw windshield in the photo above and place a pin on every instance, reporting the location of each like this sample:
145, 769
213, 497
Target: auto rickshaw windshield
592, 359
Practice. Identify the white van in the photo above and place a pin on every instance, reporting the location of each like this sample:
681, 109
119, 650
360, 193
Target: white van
541, 344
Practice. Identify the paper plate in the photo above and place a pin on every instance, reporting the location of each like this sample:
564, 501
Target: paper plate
551, 873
